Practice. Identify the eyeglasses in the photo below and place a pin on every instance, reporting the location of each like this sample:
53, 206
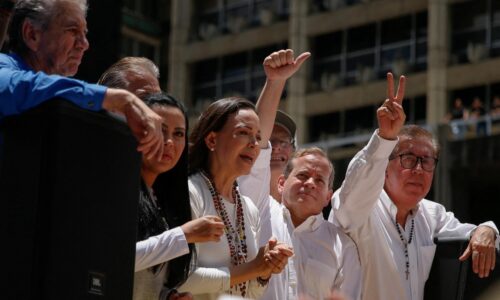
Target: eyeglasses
410, 161
281, 143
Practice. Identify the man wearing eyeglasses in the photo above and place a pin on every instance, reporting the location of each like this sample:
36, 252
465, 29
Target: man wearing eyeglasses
381, 206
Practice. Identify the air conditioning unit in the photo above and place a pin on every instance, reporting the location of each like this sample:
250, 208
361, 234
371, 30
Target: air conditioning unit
236, 23
476, 52
207, 31
266, 16
365, 74
400, 67
333, 4
329, 81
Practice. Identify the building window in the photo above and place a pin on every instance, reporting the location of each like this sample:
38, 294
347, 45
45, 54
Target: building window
138, 44
239, 74
359, 121
361, 54
329, 5
215, 17
475, 31
149, 9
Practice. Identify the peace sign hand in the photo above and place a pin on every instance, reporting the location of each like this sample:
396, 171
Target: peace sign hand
391, 116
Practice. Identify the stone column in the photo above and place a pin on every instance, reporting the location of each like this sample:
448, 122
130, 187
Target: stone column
178, 71
297, 85
437, 60
437, 96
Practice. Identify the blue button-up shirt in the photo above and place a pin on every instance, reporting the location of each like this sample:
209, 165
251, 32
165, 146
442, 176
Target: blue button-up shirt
21, 88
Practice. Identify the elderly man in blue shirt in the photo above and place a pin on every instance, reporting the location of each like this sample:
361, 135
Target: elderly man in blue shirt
47, 40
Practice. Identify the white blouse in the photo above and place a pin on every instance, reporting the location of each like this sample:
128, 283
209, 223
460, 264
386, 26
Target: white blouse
212, 277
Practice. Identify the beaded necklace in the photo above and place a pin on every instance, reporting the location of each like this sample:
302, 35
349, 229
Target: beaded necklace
235, 235
406, 243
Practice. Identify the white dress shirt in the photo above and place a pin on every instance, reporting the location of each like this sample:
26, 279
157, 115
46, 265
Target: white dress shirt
325, 259
212, 277
364, 210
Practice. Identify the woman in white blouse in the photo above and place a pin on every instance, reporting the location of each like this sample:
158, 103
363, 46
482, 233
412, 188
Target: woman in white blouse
163, 256
224, 146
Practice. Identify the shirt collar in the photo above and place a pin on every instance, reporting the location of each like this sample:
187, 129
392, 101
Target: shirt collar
310, 224
391, 207
21, 64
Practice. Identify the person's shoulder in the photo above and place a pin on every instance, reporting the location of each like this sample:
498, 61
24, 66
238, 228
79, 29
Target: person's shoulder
431, 207
195, 184
337, 235
7, 60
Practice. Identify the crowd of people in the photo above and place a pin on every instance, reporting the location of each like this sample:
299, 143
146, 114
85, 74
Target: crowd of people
461, 116
233, 207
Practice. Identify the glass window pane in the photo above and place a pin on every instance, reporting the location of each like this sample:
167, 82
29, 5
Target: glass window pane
205, 71
321, 126
361, 38
234, 65
359, 120
396, 30
236, 88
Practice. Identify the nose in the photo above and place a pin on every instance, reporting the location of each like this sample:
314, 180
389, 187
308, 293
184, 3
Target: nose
309, 183
253, 141
418, 166
82, 42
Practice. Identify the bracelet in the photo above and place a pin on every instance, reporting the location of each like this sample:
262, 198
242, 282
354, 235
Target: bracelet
263, 282
7, 5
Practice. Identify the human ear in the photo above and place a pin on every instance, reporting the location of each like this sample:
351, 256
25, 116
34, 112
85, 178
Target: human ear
31, 35
210, 141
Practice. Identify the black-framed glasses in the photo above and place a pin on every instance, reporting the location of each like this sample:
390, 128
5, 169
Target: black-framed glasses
410, 161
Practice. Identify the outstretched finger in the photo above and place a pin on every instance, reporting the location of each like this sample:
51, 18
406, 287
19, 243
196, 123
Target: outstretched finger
390, 86
401, 89
302, 58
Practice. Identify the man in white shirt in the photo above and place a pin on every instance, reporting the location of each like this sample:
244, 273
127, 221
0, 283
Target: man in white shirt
381, 206
325, 258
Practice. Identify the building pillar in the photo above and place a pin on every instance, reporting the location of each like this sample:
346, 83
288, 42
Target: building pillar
437, 61
297, 86
178, 71
437, 91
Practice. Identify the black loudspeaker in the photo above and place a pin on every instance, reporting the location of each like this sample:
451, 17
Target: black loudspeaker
69, 185
451, 279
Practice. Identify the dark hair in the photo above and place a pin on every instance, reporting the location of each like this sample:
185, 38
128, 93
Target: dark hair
171, 190
212, 119
40, 13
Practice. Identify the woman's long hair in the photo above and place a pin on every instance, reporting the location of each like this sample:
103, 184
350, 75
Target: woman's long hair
212, 119
171, 189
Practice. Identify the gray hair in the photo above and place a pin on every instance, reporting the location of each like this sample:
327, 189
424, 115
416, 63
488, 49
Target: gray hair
116, 75
414, 132
40, 13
